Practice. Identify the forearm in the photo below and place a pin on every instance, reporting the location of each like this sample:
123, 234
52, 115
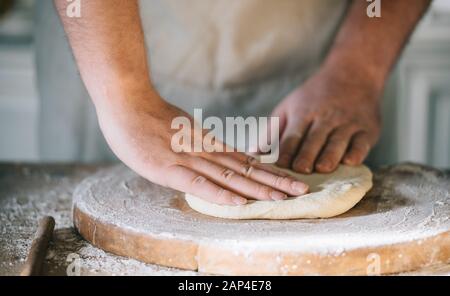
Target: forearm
369, 47
109, 47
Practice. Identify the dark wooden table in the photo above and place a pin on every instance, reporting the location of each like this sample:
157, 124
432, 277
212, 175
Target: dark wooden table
29, 192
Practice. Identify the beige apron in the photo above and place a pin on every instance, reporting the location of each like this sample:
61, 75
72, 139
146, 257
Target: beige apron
228, 57
236, 57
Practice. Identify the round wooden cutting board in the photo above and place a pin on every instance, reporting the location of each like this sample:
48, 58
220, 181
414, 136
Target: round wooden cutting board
402, 224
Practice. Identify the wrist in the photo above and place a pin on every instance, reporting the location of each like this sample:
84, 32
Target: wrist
125, 93
356, 72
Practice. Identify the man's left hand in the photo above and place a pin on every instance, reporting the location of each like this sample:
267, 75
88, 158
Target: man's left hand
329, 120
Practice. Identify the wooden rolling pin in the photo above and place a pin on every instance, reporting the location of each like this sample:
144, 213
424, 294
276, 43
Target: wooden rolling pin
38, 250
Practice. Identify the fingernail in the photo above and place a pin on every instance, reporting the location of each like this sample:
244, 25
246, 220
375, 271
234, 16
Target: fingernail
304, 169
299, 187
275, 195
237, 200
324, 165
348, 161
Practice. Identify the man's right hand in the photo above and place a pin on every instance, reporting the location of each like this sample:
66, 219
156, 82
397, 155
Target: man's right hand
108, 45
138, 130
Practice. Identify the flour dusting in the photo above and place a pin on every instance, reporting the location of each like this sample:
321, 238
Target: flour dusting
27, 193
408, 203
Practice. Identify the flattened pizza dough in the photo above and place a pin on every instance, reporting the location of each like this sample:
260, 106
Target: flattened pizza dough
330, 195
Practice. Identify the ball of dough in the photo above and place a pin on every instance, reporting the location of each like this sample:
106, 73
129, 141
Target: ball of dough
330, 195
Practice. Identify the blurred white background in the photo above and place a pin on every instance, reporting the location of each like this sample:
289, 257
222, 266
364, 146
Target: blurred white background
416, 105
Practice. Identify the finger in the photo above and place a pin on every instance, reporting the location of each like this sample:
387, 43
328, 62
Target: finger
186, 180
283, 119
235, 182
269, 134
264, 174
243, 159
311, 147
290, 142
359, 149
335, 149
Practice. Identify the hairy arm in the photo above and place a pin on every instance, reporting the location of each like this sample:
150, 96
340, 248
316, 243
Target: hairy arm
109, 47
371, 46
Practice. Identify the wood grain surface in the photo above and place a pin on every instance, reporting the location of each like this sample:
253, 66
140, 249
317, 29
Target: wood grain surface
401, 225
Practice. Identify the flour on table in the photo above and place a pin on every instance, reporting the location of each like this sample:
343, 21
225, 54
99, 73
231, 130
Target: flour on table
403, 198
